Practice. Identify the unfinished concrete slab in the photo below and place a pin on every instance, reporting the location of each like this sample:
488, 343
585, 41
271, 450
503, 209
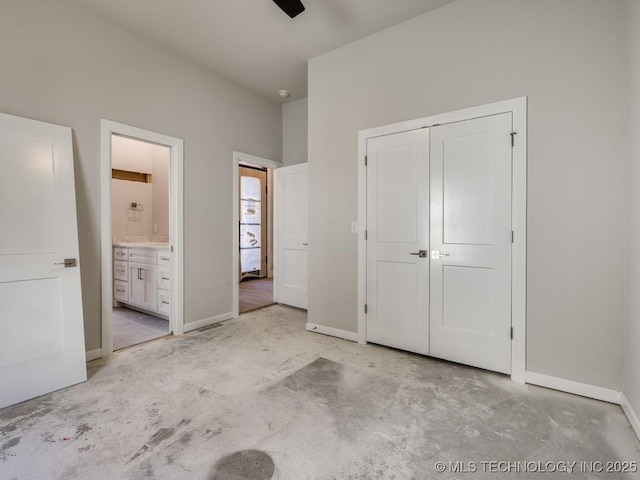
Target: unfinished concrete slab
259, 397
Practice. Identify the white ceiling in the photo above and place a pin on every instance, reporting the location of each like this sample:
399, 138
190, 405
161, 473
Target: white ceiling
253, 42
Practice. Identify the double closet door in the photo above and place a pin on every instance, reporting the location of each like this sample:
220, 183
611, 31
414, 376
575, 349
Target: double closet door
439, 236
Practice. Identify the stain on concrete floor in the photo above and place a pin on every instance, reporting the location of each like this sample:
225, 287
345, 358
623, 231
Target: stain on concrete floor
248, 464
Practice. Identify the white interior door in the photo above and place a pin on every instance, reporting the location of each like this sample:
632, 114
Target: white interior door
471, 242
42, 341
397, 231
291, 241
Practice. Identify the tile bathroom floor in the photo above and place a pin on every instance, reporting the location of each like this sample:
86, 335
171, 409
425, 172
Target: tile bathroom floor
130, 327
260, 397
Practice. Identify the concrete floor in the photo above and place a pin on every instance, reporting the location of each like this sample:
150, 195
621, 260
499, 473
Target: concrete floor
258, 397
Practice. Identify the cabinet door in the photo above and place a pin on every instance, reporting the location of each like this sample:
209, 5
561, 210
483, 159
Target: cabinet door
120, 291
150, 281
142, 255
143, 285
164, 302
164, 257
136, 284
120, 253
164, 277
120, 271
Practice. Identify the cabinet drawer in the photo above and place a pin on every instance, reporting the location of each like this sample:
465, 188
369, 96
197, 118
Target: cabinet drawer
120, 291
120, 253
164, 277
120, 271
141, 255
164, 302
164, 257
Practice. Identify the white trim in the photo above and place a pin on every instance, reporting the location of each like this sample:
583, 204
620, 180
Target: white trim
246, 159
362, 244
205, 322
577, 388
519, 246
333, 332
94, 354
630, 413
176, 222
518, 107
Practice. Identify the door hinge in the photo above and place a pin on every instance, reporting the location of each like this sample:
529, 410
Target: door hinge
365, 160
266, 189
266, 259
512, 236
513, 136
172, 248
366, 234
365, 308
511, 333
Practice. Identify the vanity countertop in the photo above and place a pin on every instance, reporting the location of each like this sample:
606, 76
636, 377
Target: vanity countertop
149, 245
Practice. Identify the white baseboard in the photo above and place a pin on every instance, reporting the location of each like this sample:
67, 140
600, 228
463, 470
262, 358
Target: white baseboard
333, 332
94, 354
205, 322
630, 413
577, 388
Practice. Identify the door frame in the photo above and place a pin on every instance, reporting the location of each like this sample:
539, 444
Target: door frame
176, 223
518, 108
251, 160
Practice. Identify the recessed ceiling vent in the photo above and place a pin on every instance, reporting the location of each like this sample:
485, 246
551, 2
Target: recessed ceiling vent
290, 7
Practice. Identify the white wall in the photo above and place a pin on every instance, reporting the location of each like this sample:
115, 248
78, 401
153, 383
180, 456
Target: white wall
124, 220
142, 157
632, 321
294, 132
568, 57
66, 65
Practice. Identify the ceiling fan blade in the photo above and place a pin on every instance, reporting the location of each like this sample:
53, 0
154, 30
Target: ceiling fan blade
290, 7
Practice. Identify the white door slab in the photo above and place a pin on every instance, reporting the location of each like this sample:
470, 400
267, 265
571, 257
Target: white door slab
470, 307
42, 341
291, 235
397, 230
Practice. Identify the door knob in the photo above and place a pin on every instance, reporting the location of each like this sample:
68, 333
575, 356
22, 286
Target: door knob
435, 254
420, 253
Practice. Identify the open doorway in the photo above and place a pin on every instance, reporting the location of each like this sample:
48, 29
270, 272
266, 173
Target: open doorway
142, 230
141, 243
256, 237
253, 232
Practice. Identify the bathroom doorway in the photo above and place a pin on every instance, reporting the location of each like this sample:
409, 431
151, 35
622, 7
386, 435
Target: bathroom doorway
141, 246
142, 229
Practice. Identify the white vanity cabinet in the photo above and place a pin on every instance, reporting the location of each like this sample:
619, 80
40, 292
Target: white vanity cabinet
143, 279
